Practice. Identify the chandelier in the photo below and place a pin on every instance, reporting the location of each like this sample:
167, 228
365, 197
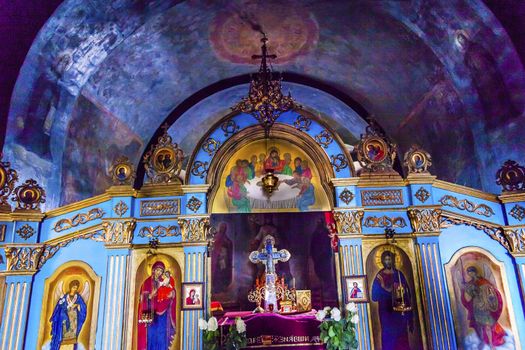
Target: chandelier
265, 100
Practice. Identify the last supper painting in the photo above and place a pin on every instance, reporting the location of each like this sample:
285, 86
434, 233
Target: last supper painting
246, 174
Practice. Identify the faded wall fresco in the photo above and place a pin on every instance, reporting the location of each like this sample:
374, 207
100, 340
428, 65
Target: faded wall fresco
93, 144
420, 79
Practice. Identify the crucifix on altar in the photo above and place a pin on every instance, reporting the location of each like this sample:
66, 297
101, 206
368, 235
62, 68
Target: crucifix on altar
269, 257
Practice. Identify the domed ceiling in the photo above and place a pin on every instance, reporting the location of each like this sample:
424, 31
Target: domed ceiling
102, 76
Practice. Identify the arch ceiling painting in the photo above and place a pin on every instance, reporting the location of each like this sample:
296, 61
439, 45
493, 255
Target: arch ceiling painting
102, 76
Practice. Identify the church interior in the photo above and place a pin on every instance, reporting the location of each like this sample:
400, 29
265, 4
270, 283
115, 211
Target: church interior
245, 174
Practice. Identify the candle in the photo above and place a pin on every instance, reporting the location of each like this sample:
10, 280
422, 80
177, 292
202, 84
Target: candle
293, 282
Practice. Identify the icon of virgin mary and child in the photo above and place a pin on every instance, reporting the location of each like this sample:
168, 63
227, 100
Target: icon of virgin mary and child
158, 301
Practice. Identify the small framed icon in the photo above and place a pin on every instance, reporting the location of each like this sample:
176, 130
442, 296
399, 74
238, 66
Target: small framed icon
356, 289
192, 294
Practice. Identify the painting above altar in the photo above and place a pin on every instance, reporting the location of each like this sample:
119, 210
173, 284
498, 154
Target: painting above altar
299, 187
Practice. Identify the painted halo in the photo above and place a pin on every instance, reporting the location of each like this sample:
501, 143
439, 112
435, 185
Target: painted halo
375, 149
164, 159
398, 262
122, 171
418, 157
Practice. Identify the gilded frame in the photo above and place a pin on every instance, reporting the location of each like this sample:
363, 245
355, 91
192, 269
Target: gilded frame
360, 280
186, 288
138, 256
407, 245
94, 306
453, 301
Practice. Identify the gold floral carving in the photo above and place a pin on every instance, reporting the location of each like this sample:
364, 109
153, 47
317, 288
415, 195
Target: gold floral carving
119, 232
120, 208
425, 219
195, 228
8, 178
79, 219
385, 221
346, 196
23, 258
194, 204
30, 258
422, 195
516, 238
495, 232
465, 204
25, 231
349, 221
517, 212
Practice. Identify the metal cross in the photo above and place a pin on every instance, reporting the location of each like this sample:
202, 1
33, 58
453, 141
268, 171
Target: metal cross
269, 257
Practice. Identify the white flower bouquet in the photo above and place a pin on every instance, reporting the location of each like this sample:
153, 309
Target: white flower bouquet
337, 332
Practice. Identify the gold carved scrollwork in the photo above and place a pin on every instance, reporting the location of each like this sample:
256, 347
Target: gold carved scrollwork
159, 231
8, 178
79, 219
425, 220
118, 232
465, 204
23, 258
516, 238
349, 222
385, 221
194, 229
30, 258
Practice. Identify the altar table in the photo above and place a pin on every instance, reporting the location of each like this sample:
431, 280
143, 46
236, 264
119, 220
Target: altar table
275, 331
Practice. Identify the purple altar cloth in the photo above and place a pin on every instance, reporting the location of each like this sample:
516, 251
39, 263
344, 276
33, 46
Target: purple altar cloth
275, 331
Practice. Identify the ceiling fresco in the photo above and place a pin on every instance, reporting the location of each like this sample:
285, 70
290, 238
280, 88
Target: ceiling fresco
101, 78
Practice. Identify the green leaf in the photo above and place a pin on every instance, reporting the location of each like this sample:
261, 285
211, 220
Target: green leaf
331, 332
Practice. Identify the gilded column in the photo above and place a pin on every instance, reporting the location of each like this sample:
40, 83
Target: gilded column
22, 264
425, 222
195, 230
349, 225
118, 235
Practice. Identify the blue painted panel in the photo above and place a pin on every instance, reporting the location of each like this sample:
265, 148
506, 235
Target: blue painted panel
47, 231
129, 202
355, 202
420, 189
199, 196
515, 211
456, 237
95, 255
26, 228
